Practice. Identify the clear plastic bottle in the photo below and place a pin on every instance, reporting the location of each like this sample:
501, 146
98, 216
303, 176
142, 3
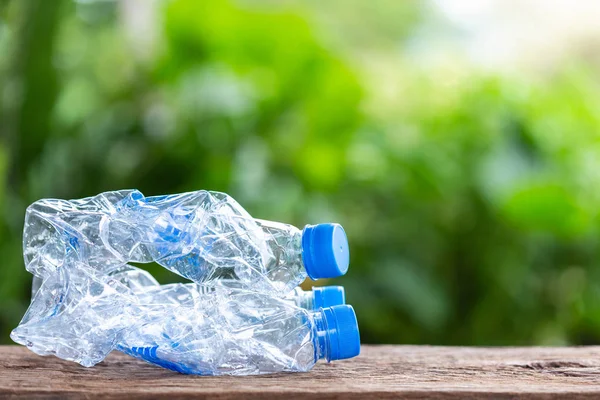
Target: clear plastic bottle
203, 236
82, 315
191, 293
245, 334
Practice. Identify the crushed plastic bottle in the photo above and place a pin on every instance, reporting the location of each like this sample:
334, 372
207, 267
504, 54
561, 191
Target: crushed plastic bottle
241, 316
142, 282
82, 315
245, 334
188, 293
204, 236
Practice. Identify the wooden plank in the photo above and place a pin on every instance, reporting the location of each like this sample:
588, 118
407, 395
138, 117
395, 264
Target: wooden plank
412, 372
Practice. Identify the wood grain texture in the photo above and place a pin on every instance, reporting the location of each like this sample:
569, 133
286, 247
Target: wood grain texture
412, 372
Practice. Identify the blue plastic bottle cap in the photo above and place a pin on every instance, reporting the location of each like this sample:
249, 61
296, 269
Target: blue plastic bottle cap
342, 332
325, 251
327, 296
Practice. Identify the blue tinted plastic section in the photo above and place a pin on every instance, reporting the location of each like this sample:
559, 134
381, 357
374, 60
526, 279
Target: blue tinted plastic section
342, 332
171, 234
163, 197
325, 251
327, 296
149, 354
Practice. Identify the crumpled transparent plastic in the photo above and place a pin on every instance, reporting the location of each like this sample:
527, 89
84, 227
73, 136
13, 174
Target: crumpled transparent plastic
82, 315
204, 236
244, 333
87, 300
189, 293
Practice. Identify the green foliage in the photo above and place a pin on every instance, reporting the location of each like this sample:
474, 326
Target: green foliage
469, 199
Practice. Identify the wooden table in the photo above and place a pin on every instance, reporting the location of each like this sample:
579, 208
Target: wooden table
412, 372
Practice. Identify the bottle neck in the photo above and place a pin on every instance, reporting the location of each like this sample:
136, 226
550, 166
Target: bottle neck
293, 253
321, 336
303, 299
284, 244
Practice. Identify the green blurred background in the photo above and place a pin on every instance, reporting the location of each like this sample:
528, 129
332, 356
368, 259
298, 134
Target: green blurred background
457, 142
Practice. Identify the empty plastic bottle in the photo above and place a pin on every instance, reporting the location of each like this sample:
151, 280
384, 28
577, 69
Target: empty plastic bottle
245, 334
82, 315
189, 293
203, 236
142, 283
